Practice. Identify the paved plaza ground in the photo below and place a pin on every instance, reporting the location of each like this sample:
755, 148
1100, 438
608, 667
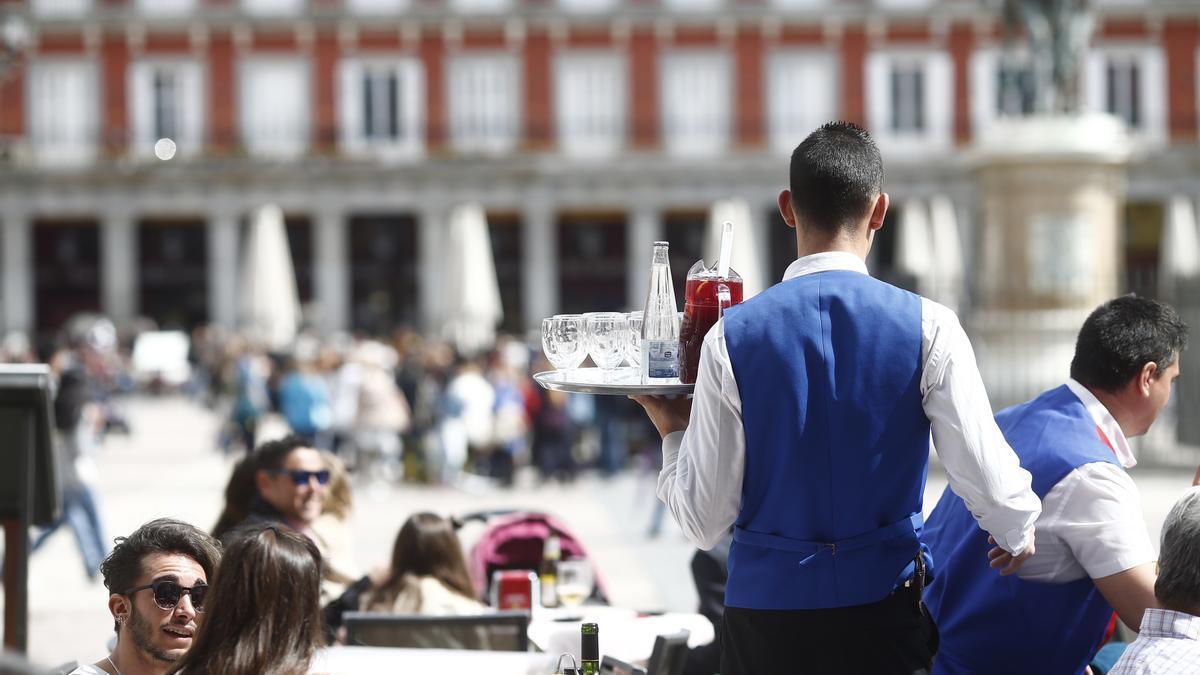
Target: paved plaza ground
168, 467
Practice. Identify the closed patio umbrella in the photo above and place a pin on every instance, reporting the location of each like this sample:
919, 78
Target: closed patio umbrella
1179, 252
947, 253
269, 305
746, 259
470, 305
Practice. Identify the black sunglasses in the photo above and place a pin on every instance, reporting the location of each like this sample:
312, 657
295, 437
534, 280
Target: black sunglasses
300, 477
167, 594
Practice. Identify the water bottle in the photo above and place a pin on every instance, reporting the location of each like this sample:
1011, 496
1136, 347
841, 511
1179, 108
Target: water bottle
660, 323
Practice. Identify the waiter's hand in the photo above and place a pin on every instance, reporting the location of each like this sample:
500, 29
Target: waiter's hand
667, 414
1006, 562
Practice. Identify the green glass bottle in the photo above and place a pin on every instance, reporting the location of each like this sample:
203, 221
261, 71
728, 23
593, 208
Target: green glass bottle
589, 649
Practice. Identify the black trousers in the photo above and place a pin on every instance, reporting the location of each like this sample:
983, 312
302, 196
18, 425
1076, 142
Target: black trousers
894, 635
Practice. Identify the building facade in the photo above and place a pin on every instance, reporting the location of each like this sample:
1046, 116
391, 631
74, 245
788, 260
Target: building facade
586, 128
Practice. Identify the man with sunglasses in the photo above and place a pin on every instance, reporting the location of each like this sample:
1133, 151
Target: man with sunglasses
290, 479
157, 579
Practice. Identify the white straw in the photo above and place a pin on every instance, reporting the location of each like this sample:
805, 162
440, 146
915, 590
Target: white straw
726, 250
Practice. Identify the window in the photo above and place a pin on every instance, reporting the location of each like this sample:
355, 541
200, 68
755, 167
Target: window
480, 6
801, 96
381, 104
909, 100
1129, 82
166, 7
274, 106
63, 111
695, 103
61, 8
272, 6
483, 103
692, 5
167, 101
376, 6
584, 6
590, 103
1001, 86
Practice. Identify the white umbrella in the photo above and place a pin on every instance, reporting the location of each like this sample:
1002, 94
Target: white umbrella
1179, 255
746, 258
947, 252
470, 305
914, 246
269, 308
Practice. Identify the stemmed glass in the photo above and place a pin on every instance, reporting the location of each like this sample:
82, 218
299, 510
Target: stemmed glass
606, 333
633, 346
575, 582
564, 341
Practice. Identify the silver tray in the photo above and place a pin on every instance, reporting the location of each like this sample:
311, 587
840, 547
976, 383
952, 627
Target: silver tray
619, 381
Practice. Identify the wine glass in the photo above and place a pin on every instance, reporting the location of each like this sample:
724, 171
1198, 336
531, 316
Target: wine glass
564, 341
606, 333
574, 582
633, 346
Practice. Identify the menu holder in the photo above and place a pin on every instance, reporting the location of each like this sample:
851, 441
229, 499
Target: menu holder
616, 382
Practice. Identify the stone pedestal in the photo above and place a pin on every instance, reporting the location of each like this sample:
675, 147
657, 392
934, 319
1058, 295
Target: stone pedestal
1051, 194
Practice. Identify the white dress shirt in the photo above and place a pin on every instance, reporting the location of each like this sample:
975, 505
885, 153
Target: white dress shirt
703, 466
1091, 524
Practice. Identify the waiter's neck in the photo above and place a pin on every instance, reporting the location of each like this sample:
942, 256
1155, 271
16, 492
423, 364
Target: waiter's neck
1116, 405
857, 243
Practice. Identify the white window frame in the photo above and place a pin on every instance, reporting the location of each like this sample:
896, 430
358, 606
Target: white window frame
693, 5
789, 120
1152, 85
192, 102
276, 148
938, 106
481, 6
377, 7
800, 5
273, 7
588, 6
63, 152
903, 4
984, 70
411, 109
466, 112
167, 7
702, 144
591, 142
61, 9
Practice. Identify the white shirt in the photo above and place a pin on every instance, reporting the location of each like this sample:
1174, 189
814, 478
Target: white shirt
88, 669
703, 466
1168, 644
1091, 524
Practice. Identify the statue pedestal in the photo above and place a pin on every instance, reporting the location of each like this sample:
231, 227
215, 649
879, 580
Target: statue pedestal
1051, 193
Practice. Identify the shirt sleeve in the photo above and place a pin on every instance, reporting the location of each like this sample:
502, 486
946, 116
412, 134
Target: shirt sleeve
1099, 516
701, 478
980, 466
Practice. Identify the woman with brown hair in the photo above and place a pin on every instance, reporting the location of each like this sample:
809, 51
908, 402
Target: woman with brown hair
428, 574
263, 613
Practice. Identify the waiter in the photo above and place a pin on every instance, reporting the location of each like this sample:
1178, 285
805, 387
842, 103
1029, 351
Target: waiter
809, 433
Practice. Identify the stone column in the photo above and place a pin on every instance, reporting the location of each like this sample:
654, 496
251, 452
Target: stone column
224, 259
643, 228
431, 228
539, 276
331, 280
16, 273
119, 287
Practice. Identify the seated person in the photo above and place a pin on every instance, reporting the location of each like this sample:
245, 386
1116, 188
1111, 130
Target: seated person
428, 573
157, 580
264, 612
1170, 637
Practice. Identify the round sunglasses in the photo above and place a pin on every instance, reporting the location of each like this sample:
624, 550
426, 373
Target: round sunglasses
167, 594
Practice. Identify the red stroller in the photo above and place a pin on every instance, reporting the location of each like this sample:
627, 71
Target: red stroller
513, 540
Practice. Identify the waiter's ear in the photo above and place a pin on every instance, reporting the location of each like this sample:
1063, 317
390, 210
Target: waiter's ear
785, 208
879, 211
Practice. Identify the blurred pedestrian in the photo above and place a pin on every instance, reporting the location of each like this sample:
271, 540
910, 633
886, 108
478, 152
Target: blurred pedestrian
382, 414
304, 397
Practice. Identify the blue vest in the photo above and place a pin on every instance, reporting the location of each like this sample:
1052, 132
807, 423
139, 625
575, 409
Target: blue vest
828, 366
993, 624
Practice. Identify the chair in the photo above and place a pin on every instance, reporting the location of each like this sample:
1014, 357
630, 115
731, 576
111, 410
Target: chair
496, 631
670, 654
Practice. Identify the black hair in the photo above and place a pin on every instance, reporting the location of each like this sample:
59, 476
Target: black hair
835, 174
1121, 336
271, 455
123, 566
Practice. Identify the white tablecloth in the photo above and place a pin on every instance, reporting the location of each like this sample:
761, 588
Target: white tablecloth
623, 633
358, 660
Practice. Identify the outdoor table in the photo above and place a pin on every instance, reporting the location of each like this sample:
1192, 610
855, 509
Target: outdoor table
624, 633
355, 660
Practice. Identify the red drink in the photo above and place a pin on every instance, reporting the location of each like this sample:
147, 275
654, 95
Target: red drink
514, 589
701, 309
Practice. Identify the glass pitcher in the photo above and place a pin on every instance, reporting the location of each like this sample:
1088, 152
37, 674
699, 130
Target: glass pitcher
706, 297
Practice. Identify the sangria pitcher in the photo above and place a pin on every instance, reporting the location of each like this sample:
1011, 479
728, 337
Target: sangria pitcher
708, 294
